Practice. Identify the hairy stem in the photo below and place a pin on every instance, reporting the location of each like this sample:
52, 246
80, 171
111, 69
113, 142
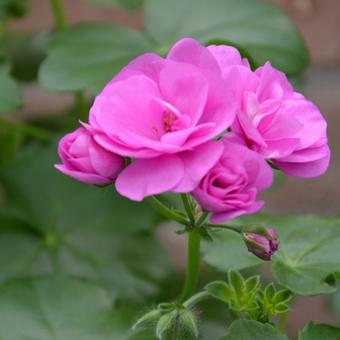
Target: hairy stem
236, 229
193, 264
195, 299
188, 207
282, 322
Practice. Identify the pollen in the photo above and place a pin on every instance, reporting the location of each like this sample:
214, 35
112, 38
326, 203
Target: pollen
168, 121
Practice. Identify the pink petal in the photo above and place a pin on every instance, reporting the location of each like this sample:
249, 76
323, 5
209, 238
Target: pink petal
128, 106
184, 86
146, 177
220, 107
82, 176
148, 64
273, 83
105, 163
123, 149
226, 56
229, 215
190, 51
197, 163
187, 137
307, 169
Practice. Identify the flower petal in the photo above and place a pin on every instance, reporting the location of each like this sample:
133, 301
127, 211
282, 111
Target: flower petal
197, 163
146, 177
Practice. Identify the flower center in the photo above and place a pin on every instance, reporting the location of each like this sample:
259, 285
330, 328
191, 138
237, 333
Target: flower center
169, 121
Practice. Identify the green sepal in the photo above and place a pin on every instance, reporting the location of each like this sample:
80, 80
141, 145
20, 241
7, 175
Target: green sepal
147, 319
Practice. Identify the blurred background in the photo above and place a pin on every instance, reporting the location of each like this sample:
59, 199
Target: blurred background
319, 24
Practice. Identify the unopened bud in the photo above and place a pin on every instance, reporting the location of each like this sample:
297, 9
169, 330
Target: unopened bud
147, 319
262, 245
178, 324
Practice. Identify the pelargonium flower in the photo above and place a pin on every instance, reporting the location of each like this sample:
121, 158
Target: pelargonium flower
164, 113
277, 122
86, 161
231, 187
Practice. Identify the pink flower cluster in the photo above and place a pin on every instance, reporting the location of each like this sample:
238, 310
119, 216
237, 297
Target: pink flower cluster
200, 121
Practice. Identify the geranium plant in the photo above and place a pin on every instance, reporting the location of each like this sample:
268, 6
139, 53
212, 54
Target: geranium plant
189, 123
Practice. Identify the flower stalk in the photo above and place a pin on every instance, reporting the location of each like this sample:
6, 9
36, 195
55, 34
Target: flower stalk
58, 14
193, 264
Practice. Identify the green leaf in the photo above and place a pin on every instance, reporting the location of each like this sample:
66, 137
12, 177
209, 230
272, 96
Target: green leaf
89, 55
260, 29
63, 225
127, 4
283, 295
228, 252
60, 308
270, 291
252, 284
319, 332
220, 290
252, 330
273, 302
308, 254
237, 282
10, 98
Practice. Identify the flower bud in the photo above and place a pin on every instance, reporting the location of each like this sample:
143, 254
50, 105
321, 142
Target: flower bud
263, 244
85, 160
147, 319
177, 324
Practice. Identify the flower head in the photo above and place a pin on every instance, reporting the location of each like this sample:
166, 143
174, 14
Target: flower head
278, 122
231, 187
164, 113
86, 161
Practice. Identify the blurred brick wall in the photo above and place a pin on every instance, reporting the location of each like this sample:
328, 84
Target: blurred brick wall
319, 23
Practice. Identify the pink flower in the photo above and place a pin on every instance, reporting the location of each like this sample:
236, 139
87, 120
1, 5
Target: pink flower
230, 188
277, 122
227, 56
86, 161
164, 113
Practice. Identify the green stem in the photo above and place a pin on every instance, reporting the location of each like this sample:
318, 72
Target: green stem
26, 129
282, 322
167, 212
81, 105
195, 299
187, 207
236, 229
193, 264
58, 14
